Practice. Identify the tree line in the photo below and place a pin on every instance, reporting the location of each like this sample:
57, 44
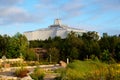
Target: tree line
87, 46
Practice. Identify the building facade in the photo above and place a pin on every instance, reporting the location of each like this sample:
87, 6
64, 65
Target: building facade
57, 29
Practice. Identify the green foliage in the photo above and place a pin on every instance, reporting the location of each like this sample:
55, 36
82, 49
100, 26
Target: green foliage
18, 64
81, 47
13, 46
74, 54
90, 36
22, 72
32, 63
117, 52
53, 53
113, 72
4, 44
30, 55
105, 56
94, 58
90, 70
75, 46
38, 74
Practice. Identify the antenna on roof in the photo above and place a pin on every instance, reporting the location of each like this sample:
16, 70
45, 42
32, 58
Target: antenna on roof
58, 16
57, 21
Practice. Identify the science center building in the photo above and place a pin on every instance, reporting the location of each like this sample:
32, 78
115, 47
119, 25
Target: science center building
57, 29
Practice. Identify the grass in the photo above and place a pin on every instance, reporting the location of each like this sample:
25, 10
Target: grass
90, 70
38, 74
21, 72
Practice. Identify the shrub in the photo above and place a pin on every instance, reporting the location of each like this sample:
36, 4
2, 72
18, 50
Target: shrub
22, 72
60, 71
38, 74
32, 63
90, 70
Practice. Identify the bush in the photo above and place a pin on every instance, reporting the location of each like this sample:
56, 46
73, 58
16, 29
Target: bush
22, 72
17, 64
38, 74
90, 70
32, 63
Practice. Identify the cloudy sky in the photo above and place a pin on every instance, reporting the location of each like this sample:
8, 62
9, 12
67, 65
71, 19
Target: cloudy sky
27, 15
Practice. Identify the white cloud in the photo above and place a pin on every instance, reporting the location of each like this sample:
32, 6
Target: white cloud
13, 15
72, 8
6, 3
10, 13
109, 4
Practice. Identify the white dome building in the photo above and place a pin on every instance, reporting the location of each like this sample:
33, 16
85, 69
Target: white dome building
57, 29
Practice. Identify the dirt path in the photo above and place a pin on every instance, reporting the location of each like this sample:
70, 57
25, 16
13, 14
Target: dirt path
50, 76
8, 73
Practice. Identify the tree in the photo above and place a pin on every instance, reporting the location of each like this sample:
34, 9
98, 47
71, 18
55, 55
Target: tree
22, 43
31, 56
105, 56
4, 42
73, 46
18, 45
109, 43
74, 54
13, 51
91, 36
117, 52
104, 43
53, 54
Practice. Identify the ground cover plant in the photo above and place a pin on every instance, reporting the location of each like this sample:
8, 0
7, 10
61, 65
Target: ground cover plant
90, 70
38, 74
21, 72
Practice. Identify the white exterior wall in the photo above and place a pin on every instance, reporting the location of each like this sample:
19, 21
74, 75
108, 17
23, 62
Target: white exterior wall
54, 30
62, 33
46, 33
39, 35
29, 35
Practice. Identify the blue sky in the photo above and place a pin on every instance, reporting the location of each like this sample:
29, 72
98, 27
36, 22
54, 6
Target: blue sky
27, 15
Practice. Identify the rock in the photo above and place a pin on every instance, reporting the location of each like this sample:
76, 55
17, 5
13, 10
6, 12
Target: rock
63, 64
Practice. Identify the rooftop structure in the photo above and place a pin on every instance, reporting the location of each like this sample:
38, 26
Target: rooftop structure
57, 29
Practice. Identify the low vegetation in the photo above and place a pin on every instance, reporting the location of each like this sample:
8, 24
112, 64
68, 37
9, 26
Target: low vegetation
90, 70
38, 74
21, 72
